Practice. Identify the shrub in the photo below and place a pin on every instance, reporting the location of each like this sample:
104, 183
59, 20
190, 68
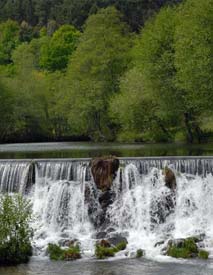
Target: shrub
15, 232
139, 253
121, 246
102, 252
187, 250
203, 254
57, 253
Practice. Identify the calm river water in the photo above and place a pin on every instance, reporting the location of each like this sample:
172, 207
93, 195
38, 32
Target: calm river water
116, 267
89, 149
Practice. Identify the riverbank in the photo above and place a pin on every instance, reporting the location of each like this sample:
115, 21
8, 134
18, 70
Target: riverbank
90, 149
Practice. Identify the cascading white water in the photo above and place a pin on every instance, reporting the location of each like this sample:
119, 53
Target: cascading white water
13, 175
140, 209
143, 196
59, 205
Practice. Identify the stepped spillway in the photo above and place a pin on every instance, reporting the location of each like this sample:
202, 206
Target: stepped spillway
59, 188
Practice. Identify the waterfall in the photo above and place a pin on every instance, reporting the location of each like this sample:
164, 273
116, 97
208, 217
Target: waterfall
58, 190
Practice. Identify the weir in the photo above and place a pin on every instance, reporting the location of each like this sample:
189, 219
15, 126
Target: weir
66, 205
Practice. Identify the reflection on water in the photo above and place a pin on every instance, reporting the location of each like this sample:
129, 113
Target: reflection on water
118, 267
88, 149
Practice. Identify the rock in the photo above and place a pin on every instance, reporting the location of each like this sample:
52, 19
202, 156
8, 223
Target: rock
104, 243
106, 198
101, 235
182, 248
68, 242
170, 180
110, 230
159, 243
117, 239
104, 170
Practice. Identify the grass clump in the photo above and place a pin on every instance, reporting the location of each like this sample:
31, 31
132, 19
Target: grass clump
57, 253
15, 232
203, 254
139, 253
188, 249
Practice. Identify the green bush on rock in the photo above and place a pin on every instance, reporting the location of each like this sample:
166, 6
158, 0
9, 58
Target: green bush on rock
68, 254
15, 232
203, 254
139, 253
102, 252
185, 249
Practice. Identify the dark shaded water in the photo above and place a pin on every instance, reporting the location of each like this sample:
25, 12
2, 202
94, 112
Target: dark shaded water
88, 149
117, 267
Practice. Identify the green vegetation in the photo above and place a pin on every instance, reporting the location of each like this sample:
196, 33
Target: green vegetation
139, 253
15, 232
203, 254
68, 254
106, 70
102, 252
188, 249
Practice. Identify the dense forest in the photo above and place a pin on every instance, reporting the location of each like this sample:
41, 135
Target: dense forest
105, 70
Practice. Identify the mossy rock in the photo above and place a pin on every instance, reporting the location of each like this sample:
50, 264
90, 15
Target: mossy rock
203, 254
121, 246
139, 253
103, 252
57, 253
186, 249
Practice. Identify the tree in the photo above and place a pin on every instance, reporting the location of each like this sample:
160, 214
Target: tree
6, 112
9, 40
194, 62
101, 58
136, 111
56, 53
154, 57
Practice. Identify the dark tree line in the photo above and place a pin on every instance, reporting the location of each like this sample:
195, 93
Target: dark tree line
75, 12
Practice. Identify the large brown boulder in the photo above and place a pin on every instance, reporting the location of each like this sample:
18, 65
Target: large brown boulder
170, 180
104, 170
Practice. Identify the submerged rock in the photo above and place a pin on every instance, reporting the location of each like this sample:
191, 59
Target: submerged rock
104, 170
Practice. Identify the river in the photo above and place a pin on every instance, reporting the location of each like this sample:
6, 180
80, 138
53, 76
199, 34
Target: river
139, 183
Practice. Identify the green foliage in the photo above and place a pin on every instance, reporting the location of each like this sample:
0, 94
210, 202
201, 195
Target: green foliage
9, 39
102, 252
139, 253
187, 250
15, 232
94, 73
203, 254
6, 110
193, 61
121, 246
76, 12
57, 253
57, 83
56, 53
